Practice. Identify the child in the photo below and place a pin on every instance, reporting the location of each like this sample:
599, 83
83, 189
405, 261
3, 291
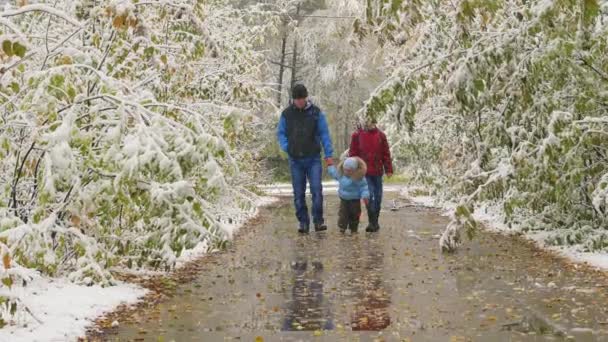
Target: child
352, 188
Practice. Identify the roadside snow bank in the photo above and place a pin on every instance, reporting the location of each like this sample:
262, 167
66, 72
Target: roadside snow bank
493, 218
60, 310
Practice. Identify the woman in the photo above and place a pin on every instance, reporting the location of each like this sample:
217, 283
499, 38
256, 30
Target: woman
371, 145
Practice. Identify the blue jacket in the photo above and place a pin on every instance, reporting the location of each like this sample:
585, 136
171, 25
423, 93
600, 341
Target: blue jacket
351, 188
322, 133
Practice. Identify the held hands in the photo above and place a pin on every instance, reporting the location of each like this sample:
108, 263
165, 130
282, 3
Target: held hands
329, 161
366, 201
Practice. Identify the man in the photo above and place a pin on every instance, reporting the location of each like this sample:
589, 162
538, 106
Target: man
370, 144
302, 131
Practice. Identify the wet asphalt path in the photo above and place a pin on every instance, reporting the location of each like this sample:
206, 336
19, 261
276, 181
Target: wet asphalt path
275, 285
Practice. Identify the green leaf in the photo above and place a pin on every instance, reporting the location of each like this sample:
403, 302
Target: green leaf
5, 145
57, 81
8, 281
592, 8
149, 51
466, 9
71, 93
15, 87
19, 49
197, 208
7, 47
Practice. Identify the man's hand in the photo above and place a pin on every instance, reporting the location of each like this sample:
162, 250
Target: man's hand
389, 175
329, 161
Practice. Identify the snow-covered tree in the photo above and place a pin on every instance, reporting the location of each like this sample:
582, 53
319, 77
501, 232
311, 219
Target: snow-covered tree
122, 126
502, 102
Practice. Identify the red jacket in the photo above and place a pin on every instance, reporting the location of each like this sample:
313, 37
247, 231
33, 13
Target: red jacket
372, 147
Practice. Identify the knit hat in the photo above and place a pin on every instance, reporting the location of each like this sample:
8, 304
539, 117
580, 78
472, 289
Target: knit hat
299, 91
351, 164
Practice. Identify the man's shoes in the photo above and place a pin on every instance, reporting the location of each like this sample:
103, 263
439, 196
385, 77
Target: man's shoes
303, 229
319, 227
342, 230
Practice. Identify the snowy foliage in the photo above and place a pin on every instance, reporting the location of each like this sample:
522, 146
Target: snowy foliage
501, 102
120, 130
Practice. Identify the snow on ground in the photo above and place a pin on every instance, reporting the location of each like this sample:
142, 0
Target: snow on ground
61, 310
425, 201
493, 219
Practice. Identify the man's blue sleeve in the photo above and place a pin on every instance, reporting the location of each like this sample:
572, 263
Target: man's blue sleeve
282, 134
324, 136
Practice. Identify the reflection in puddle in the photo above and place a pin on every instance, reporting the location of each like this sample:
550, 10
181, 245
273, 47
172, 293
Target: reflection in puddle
307, 309
372, 300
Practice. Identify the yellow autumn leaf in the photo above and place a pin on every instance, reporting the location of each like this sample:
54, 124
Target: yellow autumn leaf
65, 60
118, 21
259, 339
75, 220
6, 260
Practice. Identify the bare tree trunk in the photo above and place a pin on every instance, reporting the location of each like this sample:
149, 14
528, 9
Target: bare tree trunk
281, 70
294, 71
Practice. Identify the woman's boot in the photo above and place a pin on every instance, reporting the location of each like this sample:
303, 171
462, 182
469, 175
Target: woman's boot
370, 217
376, 220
